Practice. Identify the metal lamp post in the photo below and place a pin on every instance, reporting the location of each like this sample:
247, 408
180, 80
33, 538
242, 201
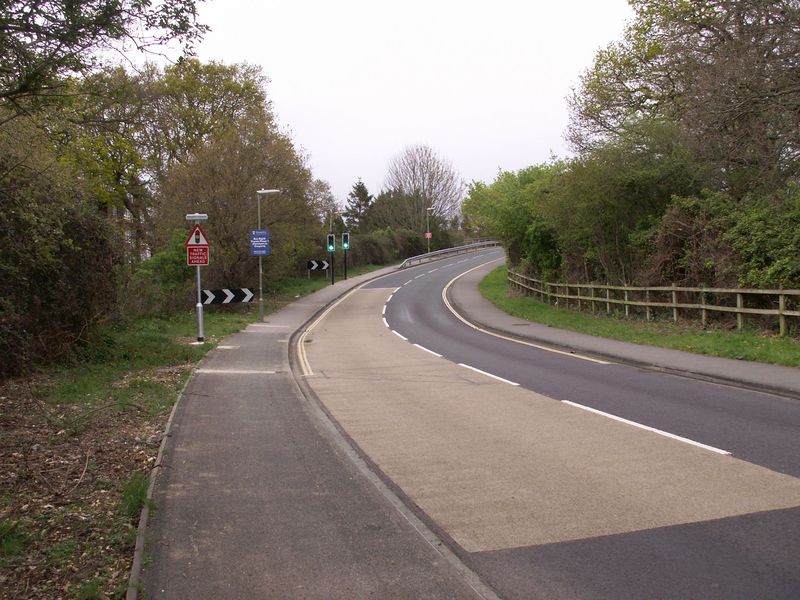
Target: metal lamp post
428, 226
260, 193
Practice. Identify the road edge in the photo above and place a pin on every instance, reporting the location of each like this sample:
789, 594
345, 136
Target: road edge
465, 315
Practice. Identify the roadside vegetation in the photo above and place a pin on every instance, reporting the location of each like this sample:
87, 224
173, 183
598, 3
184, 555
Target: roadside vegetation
79, 441
686, 171
689, 337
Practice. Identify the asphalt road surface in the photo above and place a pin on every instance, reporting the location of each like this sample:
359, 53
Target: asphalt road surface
555, 475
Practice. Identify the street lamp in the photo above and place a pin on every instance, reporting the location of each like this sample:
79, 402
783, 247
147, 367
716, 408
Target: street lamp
260, 193
428, 226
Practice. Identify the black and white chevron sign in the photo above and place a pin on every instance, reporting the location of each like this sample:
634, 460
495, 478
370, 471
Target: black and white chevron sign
226, 296
313, 265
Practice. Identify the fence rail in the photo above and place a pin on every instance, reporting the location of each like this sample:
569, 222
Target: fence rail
782, 304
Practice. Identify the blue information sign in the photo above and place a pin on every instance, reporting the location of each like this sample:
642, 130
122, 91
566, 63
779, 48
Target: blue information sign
259, 242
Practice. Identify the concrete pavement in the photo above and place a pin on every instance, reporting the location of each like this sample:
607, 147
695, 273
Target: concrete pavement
257, 499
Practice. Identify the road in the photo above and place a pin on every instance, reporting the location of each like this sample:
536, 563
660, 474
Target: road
516, 455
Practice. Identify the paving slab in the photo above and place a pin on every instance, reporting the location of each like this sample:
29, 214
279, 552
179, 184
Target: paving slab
499, 467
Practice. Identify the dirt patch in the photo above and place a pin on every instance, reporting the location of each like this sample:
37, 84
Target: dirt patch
63, 532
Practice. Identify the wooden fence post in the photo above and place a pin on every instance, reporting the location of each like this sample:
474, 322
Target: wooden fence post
781, 316
739, 315
674, 302
608, 297
627, 308
703, 311
648, 316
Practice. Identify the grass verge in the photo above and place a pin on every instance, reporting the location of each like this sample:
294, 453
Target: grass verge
746, 345
78, 443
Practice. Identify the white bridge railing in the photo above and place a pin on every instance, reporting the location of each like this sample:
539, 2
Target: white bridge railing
447, 252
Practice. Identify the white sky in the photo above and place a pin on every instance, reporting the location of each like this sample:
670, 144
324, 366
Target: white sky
356, 81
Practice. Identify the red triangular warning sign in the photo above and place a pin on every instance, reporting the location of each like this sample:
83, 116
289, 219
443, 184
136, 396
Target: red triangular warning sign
196, 238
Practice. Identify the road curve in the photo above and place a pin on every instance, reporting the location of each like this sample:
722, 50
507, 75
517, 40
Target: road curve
546, 498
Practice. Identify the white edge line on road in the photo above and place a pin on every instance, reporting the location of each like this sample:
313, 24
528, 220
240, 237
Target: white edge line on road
402, 337
428, 351
385, 323
647, 428
234, 372
487, 374
383, 311
503, 337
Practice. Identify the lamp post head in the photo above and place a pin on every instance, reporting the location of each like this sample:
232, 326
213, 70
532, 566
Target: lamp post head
197, 217
265, 192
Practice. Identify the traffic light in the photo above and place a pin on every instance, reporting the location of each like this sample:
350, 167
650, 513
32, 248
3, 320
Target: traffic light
331, 242
346, 240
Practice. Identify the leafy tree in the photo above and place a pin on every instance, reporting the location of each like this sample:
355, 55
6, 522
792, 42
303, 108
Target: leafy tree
56, 252
725, 71
221, 178
43, 42
359, 201
510, 209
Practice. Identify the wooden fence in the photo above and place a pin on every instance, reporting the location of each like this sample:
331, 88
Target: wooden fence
678, 301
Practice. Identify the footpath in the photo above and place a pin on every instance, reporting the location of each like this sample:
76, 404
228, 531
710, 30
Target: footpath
258, 496
256, 499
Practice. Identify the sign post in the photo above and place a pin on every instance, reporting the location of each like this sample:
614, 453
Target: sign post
197, 255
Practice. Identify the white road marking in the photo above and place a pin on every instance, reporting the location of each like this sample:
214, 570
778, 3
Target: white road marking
383, 312
402, 337
407, 282
385, 323
487, 374
432, 270
418, 276
647, 428
503, 337
234, 372
428, 351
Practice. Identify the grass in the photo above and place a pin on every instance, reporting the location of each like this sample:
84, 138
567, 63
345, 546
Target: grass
134, 496
746, 345
83, 437
12, 540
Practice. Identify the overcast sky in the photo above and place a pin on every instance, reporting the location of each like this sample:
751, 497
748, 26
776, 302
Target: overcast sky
355, 82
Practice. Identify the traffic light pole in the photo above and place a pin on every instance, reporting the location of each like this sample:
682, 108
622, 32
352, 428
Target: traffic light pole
331, 255
345, 264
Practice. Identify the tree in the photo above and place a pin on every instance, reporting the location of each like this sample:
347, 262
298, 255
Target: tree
725, 71
220, 179
57, 252
359, 201
43, 42
420, 179
191, 102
